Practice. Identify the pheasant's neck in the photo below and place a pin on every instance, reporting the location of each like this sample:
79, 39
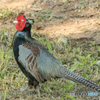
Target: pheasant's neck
23, 34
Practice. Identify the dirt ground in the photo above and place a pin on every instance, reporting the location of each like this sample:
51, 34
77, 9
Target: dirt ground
75, 22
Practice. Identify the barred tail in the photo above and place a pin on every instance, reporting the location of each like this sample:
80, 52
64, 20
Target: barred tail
77, 78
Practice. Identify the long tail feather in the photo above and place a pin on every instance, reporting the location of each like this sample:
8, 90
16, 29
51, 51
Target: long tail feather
77, 78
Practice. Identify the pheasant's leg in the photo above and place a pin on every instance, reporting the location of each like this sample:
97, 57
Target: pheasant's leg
38, 90
36, 85
30, 84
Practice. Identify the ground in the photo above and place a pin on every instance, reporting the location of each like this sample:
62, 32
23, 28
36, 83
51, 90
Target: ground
80, 22
76, 21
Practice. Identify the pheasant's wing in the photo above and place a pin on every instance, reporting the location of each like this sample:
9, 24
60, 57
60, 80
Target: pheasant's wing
47, 64
27, 57
38, 61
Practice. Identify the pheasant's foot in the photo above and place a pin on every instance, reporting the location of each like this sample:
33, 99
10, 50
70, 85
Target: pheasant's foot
38, 90
25, 89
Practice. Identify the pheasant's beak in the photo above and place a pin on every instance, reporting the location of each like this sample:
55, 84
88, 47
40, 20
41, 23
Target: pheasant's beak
31, 21
15, 21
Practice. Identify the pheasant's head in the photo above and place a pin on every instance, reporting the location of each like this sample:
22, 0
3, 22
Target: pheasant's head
23, 24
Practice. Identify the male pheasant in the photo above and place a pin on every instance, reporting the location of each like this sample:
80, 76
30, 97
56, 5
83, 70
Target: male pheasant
37, 63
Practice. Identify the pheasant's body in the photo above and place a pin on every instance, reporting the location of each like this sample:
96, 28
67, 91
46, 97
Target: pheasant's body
36, 59
38, 64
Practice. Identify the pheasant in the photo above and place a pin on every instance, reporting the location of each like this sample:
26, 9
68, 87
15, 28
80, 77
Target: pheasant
36, 62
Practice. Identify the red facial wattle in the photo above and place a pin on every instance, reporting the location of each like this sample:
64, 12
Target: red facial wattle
21, 22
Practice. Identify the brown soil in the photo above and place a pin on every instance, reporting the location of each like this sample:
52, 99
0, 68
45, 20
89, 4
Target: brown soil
74, 22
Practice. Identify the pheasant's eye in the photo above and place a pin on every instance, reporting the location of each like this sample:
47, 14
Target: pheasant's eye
23, 21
